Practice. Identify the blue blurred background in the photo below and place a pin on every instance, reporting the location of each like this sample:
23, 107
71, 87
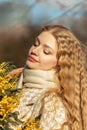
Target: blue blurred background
21, 20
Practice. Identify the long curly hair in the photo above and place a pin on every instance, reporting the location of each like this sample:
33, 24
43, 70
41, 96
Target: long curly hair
72, 75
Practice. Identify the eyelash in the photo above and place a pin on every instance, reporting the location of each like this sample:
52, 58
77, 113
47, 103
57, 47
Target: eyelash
47, 52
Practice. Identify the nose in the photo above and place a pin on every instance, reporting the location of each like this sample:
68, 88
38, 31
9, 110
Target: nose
35, 51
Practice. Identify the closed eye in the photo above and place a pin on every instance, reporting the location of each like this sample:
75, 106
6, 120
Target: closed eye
47, 52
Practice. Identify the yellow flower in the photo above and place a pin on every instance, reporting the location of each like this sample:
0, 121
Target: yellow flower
31, 124
9, 100
8, 104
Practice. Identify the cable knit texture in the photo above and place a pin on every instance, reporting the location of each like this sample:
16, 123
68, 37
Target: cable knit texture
40, 97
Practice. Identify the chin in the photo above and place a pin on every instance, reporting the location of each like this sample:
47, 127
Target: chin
31, 65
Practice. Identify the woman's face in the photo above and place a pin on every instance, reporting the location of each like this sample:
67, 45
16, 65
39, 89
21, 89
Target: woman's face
43, 53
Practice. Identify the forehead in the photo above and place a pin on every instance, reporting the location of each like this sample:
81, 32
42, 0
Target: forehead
47, 39
46, 36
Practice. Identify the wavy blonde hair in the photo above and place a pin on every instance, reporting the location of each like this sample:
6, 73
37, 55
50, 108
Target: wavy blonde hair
72, 76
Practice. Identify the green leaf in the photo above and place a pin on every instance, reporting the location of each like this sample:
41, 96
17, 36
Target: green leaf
6, 126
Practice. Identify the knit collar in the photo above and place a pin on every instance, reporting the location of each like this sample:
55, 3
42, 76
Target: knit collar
37, 84
40, 79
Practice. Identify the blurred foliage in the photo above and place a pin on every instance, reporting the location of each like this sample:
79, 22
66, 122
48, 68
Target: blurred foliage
15, 43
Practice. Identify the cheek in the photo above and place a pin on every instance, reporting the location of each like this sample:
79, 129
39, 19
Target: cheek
30, 50
52, 61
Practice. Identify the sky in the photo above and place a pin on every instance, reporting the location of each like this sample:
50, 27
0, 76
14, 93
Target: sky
36, 13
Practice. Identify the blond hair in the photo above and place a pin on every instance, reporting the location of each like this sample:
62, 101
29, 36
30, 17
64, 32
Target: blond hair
72, 76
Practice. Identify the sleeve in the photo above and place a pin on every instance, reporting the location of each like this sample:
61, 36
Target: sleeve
54, 115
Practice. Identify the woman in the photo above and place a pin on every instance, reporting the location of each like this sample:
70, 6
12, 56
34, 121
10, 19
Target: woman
54, 82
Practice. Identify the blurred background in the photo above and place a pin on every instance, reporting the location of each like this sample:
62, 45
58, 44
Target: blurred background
21, 21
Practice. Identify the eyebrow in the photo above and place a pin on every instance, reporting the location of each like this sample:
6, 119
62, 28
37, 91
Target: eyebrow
44, 45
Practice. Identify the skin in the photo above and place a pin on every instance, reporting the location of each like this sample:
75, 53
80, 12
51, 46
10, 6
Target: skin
15, 71
43, 53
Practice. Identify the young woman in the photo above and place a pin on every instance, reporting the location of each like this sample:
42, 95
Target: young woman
54, 82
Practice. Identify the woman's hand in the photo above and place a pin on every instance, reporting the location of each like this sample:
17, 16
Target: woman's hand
15, 71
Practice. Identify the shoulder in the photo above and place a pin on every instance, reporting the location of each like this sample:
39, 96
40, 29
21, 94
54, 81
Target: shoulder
53, 111
55, 99
54, 102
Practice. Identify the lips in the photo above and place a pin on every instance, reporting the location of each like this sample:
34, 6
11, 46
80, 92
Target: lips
32, 59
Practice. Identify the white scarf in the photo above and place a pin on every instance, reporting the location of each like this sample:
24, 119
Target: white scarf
40, 79
35, 85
